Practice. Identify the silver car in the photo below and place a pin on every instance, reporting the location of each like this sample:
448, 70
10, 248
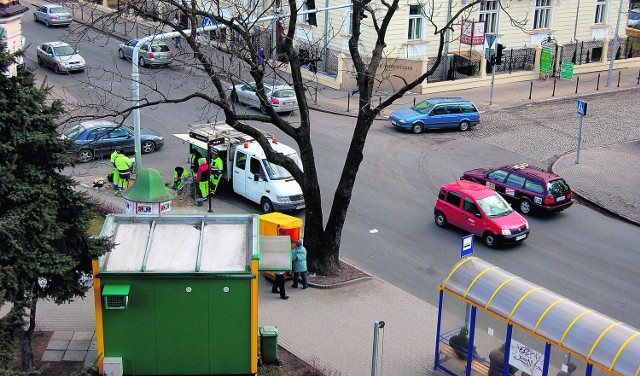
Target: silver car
52, 15
282, 96
154, 53
61, 57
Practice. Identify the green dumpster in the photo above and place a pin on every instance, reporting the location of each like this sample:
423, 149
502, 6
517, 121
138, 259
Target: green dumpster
269, 344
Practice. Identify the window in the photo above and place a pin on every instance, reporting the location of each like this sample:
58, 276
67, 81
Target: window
349, 20
118, 133
454, 199
542, 14
470, 206
489, 14
415, 22
558, 187
440, 110
453, 109
241, 160
442, 194
254, 167
534, 186
467, 108
601, 12
116, 296
498, 175
515, 180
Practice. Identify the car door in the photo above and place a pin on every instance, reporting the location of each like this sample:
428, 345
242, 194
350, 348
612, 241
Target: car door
40, 13
472, 218
452, 209
120, 137
453, 116
144, 51
127, 49
437, 117
256, 180
48, 58
239, 173
495, 180
513, 187
247, 95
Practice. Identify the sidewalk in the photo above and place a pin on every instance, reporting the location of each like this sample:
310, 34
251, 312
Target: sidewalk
334, 327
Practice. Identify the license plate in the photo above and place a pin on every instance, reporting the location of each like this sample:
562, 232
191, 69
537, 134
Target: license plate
561, 198
393, 122
520, 237
299, 207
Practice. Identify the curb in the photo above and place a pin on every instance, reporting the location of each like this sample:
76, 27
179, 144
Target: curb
339, 284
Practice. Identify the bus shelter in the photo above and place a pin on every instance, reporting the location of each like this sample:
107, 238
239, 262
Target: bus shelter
491, 322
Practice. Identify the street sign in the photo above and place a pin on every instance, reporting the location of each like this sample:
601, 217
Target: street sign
467, 246
545, 60
208, 22
566, 70
490, 38
582, 108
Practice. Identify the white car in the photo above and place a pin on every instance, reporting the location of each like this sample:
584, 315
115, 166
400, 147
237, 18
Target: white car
60, 57
52, 15
282, 96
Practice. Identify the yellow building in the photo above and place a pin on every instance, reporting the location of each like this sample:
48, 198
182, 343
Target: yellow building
11, 29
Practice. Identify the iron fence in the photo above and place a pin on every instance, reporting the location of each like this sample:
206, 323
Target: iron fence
516, 59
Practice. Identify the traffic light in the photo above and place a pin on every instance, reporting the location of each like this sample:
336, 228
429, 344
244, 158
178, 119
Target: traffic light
499, 48
362, 15
311, 17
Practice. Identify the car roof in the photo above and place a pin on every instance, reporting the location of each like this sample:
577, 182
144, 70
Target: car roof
440, 100
153, 43
97, 123
54, 6
531, 171
473, 190
57, 44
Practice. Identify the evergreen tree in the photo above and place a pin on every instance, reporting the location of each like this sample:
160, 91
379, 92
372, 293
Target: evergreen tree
45, 248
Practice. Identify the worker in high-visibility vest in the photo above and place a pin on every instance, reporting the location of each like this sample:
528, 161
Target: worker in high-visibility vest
180, 176
204, 174
216, 170
115, 170
123, 164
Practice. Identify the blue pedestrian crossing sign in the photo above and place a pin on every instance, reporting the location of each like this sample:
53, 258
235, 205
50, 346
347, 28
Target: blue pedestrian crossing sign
208, 21
582, 108
467, 246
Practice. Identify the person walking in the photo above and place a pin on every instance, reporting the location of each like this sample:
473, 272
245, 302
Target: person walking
261, 58
116, 176
123, 164
299, 259
216, 170
204, 174
278, 286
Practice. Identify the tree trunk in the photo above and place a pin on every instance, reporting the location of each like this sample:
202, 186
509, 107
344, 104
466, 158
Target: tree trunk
26, 349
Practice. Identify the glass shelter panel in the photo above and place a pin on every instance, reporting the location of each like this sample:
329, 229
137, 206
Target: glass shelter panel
585, 332
561, 360
485, 285
490, 334
609, 345
526, 353
533, 307
627, 362
507, 298
558, 319
455, 313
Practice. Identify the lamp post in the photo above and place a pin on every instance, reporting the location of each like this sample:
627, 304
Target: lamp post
615, 45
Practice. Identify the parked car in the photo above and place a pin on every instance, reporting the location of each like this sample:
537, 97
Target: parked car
151, 53
525, 186
99, 138
61, 57
437, 113
282, 96
634, 18
480, 211
53, 15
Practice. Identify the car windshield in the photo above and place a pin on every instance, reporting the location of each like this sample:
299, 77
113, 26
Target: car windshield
160, 48
558, 187
277, 172
634, 16
64, 50
423, 107
58, 10
286, 93
495, 206
74, 132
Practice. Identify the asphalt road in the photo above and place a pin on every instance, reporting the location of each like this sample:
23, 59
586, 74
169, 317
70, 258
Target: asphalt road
580, 253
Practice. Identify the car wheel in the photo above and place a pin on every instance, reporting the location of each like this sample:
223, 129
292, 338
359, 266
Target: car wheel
121, 54
46, 22
141, 61
525, 207
440, 219
266, 206
464, 125
85, 155
263, 109
234, 97
148, 147
56, 68
490, 240
417, 128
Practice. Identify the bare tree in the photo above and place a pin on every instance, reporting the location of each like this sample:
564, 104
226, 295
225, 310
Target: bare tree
237, 42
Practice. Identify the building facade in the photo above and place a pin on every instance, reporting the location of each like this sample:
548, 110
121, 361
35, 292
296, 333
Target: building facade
11, 30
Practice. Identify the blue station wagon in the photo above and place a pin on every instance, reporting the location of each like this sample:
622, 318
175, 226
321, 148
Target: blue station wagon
437, 113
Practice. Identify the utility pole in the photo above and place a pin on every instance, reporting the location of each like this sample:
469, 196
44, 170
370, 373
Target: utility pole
615, 45
575, 27
325, 38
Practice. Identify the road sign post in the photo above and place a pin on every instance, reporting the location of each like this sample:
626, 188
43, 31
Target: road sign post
582, 111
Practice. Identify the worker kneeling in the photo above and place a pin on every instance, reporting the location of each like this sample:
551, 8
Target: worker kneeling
202, 178
180, 176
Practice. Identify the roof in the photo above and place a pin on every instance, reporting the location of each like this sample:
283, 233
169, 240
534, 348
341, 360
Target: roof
97, 123
596, 338
439, 100
191, 244
475, 190
57, 43
532, 171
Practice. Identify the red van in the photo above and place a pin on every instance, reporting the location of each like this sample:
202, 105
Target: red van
481, 211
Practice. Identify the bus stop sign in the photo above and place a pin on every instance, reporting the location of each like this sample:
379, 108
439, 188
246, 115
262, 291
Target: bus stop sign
467, 246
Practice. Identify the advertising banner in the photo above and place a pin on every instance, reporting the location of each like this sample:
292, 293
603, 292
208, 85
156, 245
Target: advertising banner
472, 33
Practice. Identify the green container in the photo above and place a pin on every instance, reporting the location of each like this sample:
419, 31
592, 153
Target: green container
269, 344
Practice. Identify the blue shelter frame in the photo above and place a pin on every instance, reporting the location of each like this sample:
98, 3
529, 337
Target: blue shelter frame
604, 345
